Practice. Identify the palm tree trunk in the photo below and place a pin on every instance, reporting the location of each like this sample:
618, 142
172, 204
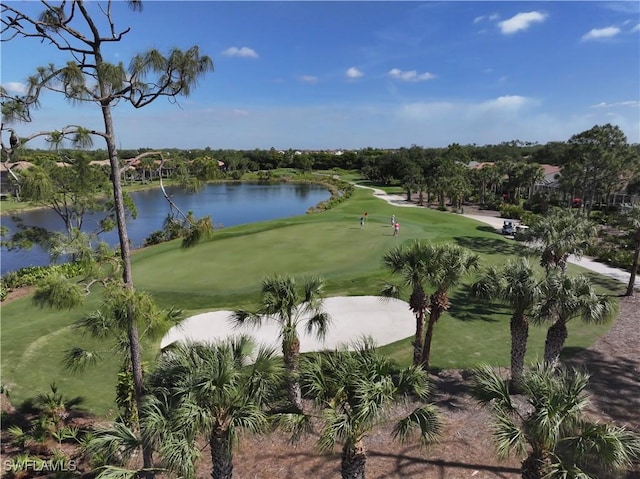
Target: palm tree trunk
354, 458
535, 466
519, 336
418, 342
531, 468
556, 336
291, 356
426, 350
419, 305
221, 457
634, 268
439, 304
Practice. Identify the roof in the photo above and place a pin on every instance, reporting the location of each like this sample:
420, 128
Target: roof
18, 165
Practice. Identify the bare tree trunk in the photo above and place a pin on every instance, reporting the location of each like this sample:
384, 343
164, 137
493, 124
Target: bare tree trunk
127, 276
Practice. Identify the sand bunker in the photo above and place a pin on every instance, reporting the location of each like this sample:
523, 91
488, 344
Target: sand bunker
385, 320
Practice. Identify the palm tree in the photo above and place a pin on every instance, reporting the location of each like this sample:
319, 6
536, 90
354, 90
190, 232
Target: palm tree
558, 235
565, 298
442, 266
282, 302
410, 263
516, 286
550, 428
213, 390
210, 390
447, 264
354, 391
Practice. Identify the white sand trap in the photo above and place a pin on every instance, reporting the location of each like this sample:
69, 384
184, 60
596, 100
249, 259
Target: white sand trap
385, 320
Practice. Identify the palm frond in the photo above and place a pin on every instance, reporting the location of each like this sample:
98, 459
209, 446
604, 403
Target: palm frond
609, 446
510, 439
114, 472
337, 428
96, 324
319, 324
296, 424
115, 442
241, 317
423, 421
489, 387
413, 380
78, 359
390, 290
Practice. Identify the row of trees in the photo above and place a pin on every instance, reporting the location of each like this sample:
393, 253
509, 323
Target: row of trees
594, 164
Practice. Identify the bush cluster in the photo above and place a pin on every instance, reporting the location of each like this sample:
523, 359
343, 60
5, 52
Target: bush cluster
31, 275
514, 212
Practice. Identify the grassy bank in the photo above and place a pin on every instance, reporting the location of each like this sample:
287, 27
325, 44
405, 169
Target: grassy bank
225, 273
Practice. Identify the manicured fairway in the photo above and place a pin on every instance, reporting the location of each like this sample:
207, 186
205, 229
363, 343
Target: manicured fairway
225, 273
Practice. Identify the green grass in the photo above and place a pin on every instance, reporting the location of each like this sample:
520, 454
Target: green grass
225, 273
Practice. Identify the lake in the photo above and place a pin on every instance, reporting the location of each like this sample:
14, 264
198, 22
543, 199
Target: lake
228, 204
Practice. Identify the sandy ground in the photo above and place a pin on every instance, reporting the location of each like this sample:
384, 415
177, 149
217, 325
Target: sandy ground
385, 320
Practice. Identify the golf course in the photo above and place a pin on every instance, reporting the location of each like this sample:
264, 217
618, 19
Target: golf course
224, 273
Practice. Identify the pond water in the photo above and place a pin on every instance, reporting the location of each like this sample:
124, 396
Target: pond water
228, 204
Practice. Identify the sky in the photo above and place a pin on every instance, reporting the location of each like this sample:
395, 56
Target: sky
383, 74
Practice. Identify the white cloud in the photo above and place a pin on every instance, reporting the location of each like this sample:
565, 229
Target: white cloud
353, 72
636, 28
521, 21
632, 103
15, 88
239, 112
507, 103
411, 75
308, 78
597, 33
481, 18
244, 52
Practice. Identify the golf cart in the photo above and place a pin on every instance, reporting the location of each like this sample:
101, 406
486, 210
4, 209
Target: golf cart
508, 228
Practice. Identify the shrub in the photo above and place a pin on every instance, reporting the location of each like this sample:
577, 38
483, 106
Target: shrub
511, 211
32, 275
529, 218
491, 202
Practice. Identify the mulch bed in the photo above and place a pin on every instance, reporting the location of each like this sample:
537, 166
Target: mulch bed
466, 448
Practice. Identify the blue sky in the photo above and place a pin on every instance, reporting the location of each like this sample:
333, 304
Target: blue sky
324, 75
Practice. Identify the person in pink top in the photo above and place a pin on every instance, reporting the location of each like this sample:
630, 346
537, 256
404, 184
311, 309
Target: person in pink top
396, 229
